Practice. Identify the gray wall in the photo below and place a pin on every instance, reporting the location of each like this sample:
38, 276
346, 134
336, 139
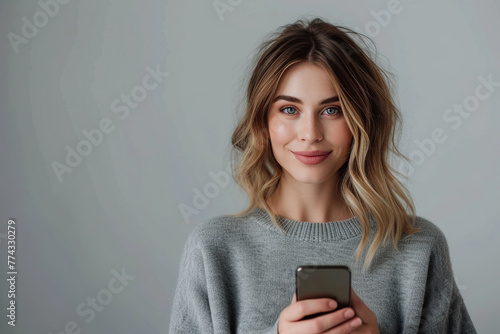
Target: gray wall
117, 208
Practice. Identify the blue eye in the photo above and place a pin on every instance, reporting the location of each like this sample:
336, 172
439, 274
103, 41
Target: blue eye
336, 110
289, 108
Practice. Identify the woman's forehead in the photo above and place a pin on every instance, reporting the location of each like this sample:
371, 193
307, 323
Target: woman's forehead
307, 82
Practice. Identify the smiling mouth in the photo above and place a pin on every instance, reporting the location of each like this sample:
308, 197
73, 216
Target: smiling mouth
313, 157
311, 153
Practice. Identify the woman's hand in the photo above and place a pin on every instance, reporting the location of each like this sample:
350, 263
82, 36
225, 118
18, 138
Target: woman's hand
356, 319
365, 314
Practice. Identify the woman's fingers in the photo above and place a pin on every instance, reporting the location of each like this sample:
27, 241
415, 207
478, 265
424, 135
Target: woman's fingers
334, 321
349, 326
298, 310
319, 324
339, 322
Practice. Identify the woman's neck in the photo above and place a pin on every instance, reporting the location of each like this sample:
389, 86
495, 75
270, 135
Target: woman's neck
309, 202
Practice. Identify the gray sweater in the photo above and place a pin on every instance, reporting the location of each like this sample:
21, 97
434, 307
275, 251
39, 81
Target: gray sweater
238, 274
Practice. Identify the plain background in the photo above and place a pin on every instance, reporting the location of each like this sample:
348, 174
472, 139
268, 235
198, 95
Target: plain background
119, 208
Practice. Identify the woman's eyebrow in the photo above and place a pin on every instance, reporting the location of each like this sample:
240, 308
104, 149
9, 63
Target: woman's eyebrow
297, 100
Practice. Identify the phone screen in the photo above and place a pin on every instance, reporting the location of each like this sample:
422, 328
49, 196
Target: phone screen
324, 281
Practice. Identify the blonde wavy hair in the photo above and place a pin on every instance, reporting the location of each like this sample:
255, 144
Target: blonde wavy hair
367, 180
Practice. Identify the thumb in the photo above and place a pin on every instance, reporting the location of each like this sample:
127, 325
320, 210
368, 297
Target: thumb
294, 299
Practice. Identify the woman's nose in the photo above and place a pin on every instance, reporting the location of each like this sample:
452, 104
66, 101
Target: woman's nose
310, 128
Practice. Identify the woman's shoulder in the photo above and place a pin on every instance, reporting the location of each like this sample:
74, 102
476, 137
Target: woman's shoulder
217, 228
428, 227
428, 233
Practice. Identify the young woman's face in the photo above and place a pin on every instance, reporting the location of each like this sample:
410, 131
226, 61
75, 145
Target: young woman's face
305, 116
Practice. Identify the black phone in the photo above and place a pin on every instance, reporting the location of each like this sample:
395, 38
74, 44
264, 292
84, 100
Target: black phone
324, 281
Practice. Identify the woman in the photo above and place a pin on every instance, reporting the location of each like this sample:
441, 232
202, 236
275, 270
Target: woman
315, 140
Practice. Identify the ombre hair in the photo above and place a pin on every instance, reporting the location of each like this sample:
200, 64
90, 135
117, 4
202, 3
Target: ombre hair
367, 180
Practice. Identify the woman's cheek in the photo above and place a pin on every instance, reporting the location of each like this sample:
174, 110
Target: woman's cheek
278, 130
343, 135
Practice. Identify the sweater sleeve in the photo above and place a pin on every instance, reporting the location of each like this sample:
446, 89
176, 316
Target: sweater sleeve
444, 310
191, 312
191, 309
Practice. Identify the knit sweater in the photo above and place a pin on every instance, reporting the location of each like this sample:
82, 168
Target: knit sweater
238, 273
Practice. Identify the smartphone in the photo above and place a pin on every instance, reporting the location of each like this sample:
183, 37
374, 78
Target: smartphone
323, 281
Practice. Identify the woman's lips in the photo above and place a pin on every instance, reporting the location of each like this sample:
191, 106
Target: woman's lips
311, 157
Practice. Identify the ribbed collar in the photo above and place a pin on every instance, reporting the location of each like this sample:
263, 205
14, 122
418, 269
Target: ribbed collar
308, 231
